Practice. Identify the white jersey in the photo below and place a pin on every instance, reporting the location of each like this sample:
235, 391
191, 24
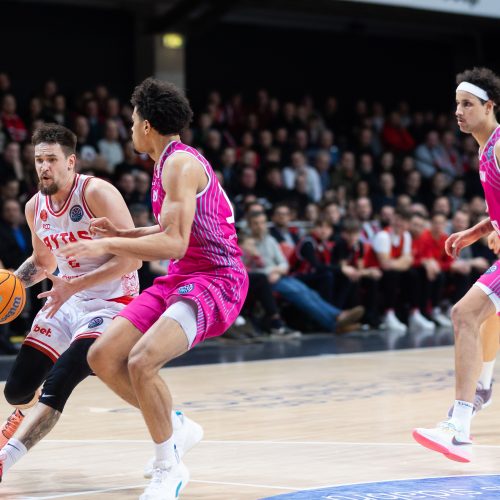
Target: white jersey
70, 224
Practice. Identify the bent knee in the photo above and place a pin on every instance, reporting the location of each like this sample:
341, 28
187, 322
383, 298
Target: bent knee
463, 321
140, 366
95, 358
17, 394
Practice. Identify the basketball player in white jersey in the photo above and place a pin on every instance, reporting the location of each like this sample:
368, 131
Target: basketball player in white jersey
83, 300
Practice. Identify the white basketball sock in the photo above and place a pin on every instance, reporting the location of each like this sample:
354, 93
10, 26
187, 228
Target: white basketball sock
14, 451
167, 452
462, 415
487, 374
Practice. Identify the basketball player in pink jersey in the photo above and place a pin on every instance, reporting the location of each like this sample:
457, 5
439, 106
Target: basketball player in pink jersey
201, 295
478, 98
83, 300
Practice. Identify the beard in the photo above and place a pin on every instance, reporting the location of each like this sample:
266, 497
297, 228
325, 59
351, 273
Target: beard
48, 190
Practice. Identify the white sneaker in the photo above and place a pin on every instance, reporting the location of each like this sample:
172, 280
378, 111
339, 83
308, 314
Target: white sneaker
447, 439
418, 321
440, 318
186, 436
167, 482
392, 322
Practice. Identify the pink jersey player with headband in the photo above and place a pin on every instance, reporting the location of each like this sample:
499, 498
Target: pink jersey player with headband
477, 99
489, 172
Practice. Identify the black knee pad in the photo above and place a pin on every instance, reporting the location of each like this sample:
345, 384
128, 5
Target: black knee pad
69, 370
26, 376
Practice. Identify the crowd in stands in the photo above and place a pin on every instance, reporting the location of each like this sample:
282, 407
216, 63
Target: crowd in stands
342, 213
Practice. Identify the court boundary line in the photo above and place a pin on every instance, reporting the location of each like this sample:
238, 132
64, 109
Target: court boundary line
257, 442
123, 488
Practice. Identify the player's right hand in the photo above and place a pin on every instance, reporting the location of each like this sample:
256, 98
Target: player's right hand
103, 227
456, 241
494, 242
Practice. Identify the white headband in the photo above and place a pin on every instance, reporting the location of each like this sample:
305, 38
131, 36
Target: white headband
474, 90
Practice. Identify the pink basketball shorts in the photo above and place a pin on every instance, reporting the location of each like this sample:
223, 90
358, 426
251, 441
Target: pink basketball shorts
219, 298
489, 283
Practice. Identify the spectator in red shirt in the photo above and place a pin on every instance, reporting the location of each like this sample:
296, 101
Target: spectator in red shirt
391, 252
395, 136
457, 271
429, 277
12, 123
312, 261
355, 283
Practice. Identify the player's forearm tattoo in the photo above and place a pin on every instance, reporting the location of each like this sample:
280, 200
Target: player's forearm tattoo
27, 273
41, 429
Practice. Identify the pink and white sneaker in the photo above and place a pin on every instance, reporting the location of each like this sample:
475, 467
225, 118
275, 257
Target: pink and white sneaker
447, 439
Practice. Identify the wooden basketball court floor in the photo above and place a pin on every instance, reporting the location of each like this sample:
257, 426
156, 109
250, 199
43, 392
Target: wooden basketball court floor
271, 427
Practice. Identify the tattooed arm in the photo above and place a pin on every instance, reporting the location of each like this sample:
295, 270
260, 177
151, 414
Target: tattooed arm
32, 270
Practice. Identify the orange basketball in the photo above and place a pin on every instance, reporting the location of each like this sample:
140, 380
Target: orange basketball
12, 296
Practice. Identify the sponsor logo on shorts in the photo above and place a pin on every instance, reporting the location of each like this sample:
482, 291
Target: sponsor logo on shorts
185, 289
43, 331
76, 213
492, 269
95, 322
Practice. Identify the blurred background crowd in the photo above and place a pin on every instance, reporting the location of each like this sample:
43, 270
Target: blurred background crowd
342, 211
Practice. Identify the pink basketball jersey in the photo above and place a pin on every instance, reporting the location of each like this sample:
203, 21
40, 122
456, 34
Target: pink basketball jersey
489, 172
213, 243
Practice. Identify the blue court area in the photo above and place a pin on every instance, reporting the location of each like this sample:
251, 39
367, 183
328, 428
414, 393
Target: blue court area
455, 487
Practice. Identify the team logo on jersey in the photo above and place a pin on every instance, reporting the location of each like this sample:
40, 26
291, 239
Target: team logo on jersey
492, 269
95, 322
489, 153
185, 289
76, 213
43, 215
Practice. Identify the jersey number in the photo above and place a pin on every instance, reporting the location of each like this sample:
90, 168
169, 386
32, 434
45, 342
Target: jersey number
73, 263
229, 219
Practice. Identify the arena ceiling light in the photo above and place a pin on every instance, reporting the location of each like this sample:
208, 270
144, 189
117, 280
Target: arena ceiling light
173, 40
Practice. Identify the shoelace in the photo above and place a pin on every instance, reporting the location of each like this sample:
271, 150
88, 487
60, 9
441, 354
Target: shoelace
446, 425
159, 475
478, 402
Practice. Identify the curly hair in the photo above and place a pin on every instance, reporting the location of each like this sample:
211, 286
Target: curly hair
164, 106
485, 79
52, 133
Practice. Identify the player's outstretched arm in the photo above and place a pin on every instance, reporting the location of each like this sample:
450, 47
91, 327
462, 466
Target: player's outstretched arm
181, 178
102, 226
32, 270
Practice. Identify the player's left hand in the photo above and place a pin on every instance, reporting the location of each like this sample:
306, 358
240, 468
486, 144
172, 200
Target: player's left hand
88, 248
60, 292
